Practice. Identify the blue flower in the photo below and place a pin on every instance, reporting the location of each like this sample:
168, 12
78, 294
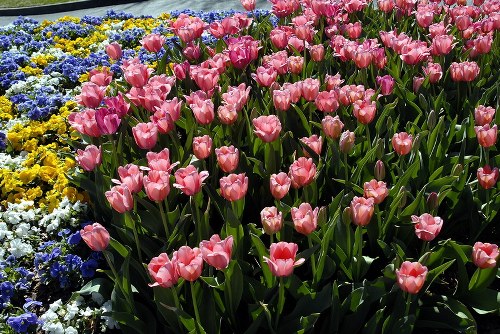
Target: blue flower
22, 323
88, 268
3, 142
74, 238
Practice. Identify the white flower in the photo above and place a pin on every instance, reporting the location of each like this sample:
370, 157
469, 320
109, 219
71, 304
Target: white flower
18, 248
70, 330
23, 230
4, 231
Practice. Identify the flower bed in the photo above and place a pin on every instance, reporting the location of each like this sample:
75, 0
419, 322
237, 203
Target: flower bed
328, 166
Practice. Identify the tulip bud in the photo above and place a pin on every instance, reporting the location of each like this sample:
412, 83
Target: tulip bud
379, 170
432, 201
431, 121
457, 170
347, 139
346, 216
402, 201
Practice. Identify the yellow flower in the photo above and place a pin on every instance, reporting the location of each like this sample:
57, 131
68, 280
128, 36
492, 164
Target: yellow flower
48, 174
30, 145
28, 175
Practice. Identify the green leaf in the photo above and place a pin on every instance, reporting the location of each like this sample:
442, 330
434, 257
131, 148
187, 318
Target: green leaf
434, 273
482, 278
261, 252
483, 301
233, 289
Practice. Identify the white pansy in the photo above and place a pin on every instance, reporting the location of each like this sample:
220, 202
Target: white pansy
19, 248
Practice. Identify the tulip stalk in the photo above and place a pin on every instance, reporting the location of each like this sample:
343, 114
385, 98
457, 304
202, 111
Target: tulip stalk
313, 259
195, 307
134, 231
281, 301
346, 169
164, 218
368, 137
115, 274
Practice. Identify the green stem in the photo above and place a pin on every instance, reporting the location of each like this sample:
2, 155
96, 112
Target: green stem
115, 274
271, 239
281, 301
113, 156
195, 307
486, 155
409, 298
313, 259
164, 220
136, 237
346, 169
368, 136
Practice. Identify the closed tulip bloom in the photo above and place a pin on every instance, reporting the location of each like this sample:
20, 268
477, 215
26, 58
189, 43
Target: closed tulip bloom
310, 89
157, 185
417, 82
145, 135
379, 170
386, 84
217, 252
484, 255
90, 158
114, 51
402, 142
302, 172
234, 186
120, 198
386, 5
85, 123
137, 74
314, 142
327, 101
305, 219
347, 140
317, 52
411, 276
202, 146
486, 135
160, 161
189, 181
265, 77
427, 227
271, 219
295, 90
227, 158
107, 121
131, 176
267, 128
153, 42
465, 71
249, 5
364, 111
433, 71
362, 210
91, 95
163, 270
442, 44
227, 114
237, 96
205, 78
203, 111
172, 108
282, 258
332, 126
414, 52
189, 263
487, 176
376, 190
279, 38
295, 64
282, 99
95, 236
280, 185
483, 115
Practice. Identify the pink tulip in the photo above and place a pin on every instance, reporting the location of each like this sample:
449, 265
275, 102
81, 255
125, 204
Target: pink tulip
386, 84
205, 78
362, 58
364, 111
120, 198
171, 107
130, 176
267, 128
163, 270
347, 141
386, 5
202, 146
118, 105
237, 96
227, 158
414, 52
317, 52
181, 70
265, 76
95, 236
302, 172
242, 51
437, 29
305, 218
91, 95
314, 142
192, 51
310, 89
333, 81
153, 42
362, 210
101, 77
90, 158
145, 135
282, 258
484, 255
189, 263
295, 64
271, 219
376, 190
332, 126
279, 37
217, 252
353, 30
189, 181
402, 143
327, 101
442, 44
279, 185
107, 121
249, 5
234, 186
137, 74
295, 90
160, 161
427, 227
114, 51
433, 71
157, 185
227, 114
486, 135
487, 177
483, 115
203, 111
465, 71
188, 28
85, 123
417, 82
295, 44
411, 276
281, 99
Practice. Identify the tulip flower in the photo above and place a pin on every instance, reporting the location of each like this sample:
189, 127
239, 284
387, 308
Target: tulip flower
202, 146
282, 258
267, 128
163, 270
362, 210
483, 115
486, 135
427, 227
411, 276
95, 236
89, 158
402, 142
376, 190
280, 185
487, 176
157, 185
189, 263
484, 255
145, 135
120, 198
217, 252
131, 176
234, 186
302, 172
271, 219
227, 158
305, 219
332, 126
189, 181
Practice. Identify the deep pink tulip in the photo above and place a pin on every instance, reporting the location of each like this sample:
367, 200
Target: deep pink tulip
486, 135
89, 158
91, 95
189, 181
202, 146
95, 236
386, 84
181, 70
302, 172
427, 227
267, 128
280, 185
118, 105
402, 143
242, 51
189, 263
487, 176
484, 255
282, 258
305, 219
114, 51
376, 190
271, 219
362, 210
145, 135
234, 186
442, 44
217, 252
227, 158
411, 276
107, 121
332, 126
188, 28
163, 270
120, 198
433, 71
131, 176
192, 52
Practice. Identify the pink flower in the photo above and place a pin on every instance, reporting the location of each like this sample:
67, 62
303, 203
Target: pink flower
332, 126
265, 76
157, 185
487, 177
188, 28
91, 95
346, 142
227, 158
120, 198
242, 51
203, 111
442, 44
279, 185
327, 101
353, 30
386, 5
433, 71
163, 270
411, 276
249, 5
427, 227
114, 51
486, 135
202, 146
181, 70
130, 176
107, 121
271, 220
279, 37
118, 105
137, 74
402, 142
414, 52
205, 78
483, 115
189, 263
314, 142
317, 52
302, 172
465, 71
386, 84
85, 123
101, 77
234, 186
376, 190
364, 111
484, 255
295, 64
153, 42
192, 51
160, 161
295, 90
362, 210
237, 96
145, 135
217, 252
189, 181
281, 99
267, 128
227, 114
90, 158
282, 258
305, 218
417, 82
284, 8
310, 89
95, 236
